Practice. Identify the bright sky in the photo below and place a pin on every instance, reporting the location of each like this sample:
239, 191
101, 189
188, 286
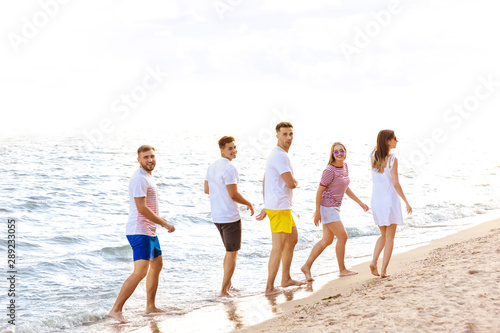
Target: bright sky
114, 65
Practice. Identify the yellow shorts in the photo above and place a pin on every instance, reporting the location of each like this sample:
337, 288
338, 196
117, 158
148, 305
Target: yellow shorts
281, 220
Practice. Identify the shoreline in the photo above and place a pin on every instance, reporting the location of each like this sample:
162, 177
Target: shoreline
351, 303
258, 313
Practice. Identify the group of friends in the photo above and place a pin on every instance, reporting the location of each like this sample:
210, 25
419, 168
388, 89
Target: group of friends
221, 184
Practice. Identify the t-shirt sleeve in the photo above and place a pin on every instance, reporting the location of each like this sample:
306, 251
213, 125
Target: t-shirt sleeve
230, 176
327, 177
139, 187
283, 164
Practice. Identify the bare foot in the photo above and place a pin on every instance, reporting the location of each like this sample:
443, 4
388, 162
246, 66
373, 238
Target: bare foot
291, 282
384, 275
118, 316
225, 294
154, 310
236, 290
307, 273
347, 272
374, 270
273, 291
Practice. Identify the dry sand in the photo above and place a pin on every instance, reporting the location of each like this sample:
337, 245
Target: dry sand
450, 285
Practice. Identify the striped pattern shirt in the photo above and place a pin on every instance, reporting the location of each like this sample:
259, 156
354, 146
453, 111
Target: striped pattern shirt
336, 181
142, 185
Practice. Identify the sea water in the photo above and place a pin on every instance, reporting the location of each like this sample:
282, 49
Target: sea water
70, 203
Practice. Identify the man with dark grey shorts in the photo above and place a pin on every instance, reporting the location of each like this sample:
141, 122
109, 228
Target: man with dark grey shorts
221, 183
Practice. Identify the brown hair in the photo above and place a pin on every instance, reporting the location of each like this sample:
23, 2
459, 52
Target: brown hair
382, 150
144, 148
224, 140
332, 157
283, 124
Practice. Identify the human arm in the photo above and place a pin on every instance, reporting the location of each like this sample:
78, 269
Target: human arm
290, 180
142, 208
232, 189
397, 185
317, 213
351, 195
261, 215
205, 185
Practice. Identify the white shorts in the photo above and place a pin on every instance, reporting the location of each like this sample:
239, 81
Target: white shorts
329, 214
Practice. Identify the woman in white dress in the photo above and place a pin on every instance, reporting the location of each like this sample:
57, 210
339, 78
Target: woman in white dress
386, 205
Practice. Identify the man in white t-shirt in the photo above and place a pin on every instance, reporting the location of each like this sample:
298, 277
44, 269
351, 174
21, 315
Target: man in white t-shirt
221, 183
278, 185
141, 234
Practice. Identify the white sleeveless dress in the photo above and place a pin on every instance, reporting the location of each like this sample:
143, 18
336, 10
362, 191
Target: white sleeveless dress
386, 205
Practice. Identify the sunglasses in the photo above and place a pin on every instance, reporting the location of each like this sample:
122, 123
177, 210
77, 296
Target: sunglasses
395, 138
339, 152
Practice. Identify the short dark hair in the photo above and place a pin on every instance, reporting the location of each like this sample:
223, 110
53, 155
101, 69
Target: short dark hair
283, 124
224, 140
144, 148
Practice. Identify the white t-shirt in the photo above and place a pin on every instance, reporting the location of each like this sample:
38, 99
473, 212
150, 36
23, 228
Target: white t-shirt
142, 185
277, 196
219, 174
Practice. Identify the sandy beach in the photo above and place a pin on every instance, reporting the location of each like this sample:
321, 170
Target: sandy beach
450, 285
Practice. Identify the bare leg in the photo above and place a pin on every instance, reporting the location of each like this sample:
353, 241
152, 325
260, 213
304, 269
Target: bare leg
286, 258
128, 287
379, 246
229, 266
152, 284
337, 229
278, 239
316, 251
389, 245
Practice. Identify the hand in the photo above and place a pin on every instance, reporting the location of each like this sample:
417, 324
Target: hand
170, 228
251, 209
317, 218
261, 215
364, 206
408, 208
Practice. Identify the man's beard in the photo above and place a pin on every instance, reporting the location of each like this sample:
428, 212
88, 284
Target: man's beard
147, 167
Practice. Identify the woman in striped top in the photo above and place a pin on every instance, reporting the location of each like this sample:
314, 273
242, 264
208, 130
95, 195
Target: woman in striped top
334, 184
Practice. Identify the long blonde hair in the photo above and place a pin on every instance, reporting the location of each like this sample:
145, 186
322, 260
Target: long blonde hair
382, 150
332, 157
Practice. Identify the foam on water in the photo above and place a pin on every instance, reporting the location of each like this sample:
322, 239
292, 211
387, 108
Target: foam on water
71, 213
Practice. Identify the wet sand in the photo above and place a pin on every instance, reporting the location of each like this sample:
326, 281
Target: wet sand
450, 285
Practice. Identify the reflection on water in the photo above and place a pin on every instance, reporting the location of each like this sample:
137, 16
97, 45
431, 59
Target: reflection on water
72, 212
233, 314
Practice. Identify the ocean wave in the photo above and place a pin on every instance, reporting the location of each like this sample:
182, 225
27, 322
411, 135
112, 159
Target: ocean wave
63, 322
194, 219
116, 253
435, 214
362, 232
74, 260
68, 240
254, 252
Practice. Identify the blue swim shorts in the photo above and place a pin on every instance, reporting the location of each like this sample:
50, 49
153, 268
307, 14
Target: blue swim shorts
145, 247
